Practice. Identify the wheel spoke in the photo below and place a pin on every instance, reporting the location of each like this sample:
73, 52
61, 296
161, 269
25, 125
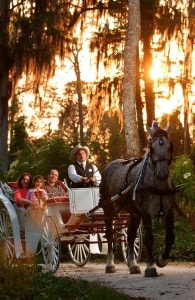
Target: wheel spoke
6, 237
79, 252
137, 244
50, 242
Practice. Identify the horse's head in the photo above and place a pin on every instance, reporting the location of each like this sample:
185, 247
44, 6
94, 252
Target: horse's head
161, 150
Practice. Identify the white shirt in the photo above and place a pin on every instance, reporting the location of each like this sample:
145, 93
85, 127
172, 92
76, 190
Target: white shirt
77, 178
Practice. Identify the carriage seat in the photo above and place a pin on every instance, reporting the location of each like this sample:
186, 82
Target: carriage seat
52, 200
59, 199
13, 185
83, 200
58, 206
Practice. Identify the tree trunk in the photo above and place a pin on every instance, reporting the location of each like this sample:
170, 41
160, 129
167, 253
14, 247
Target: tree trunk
149, 94
4, 84
79, 93
188, 75
4, 87
129, 83
139, 109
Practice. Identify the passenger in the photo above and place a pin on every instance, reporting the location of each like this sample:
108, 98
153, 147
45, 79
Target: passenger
24, 182
82, 173
52, 187
37, 194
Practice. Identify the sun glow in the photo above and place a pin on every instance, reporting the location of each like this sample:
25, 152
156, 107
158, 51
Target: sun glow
166, 73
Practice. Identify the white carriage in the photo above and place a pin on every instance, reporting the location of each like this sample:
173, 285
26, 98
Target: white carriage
75, 219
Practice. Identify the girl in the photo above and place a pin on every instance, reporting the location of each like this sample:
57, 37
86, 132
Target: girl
37, 193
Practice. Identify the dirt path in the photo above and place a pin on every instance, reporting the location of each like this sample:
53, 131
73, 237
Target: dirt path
175, 281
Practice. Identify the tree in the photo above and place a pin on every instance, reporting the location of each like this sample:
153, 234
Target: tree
187, 82
5, 85
129, 83
29, 30
32, 34
36, 32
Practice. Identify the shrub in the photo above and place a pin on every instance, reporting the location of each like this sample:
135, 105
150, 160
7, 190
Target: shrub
183, 174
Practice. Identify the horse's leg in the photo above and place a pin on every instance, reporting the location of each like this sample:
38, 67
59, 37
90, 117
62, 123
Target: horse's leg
163, 259
134, 268
150, 270
110, 267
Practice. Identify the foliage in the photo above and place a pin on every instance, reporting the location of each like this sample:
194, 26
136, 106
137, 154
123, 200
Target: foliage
177, 133
19, 138
183, 174
54, 154
40, 156
23, 281
183, 248
111, 139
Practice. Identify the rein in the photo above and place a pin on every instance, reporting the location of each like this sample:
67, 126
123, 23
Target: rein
141, 175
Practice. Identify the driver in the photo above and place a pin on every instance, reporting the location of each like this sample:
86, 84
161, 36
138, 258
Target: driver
82, 173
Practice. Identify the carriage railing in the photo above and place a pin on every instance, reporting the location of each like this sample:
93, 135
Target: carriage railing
78, 201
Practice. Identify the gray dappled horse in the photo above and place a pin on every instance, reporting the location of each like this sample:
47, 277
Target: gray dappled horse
145, 189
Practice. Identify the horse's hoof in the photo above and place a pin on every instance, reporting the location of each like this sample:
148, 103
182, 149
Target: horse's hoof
151, 272
135, 270
110, 269
160, 262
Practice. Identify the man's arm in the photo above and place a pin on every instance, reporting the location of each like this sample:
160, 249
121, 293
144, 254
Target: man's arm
74, 176
96, 175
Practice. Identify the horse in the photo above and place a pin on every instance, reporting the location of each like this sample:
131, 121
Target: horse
144, 188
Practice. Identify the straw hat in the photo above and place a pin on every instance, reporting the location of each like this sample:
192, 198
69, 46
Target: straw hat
78, 148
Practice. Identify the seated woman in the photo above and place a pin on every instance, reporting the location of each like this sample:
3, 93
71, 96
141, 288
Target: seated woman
24, 182
37, 195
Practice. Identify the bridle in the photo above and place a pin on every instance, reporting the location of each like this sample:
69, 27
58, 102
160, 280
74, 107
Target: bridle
161, 157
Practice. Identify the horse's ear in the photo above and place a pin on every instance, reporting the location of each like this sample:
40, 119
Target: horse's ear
169, 128
149, 130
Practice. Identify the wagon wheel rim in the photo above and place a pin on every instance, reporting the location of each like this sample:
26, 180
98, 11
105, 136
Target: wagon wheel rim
39, 249
51, 245
80, 251
137, 244
6, 238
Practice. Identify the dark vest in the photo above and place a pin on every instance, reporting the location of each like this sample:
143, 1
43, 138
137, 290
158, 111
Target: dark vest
88, 172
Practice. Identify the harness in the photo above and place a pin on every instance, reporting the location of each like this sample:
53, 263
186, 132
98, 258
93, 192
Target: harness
161, 133
126, 188
141, 175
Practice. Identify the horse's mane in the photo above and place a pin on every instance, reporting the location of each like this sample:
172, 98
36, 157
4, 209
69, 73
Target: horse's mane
159, 131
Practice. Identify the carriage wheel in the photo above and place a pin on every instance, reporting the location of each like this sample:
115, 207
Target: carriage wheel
137, 244
7, 249
80, 251
39, 249
51, 245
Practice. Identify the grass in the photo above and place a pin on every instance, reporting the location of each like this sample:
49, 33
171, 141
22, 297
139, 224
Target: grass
26, 282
